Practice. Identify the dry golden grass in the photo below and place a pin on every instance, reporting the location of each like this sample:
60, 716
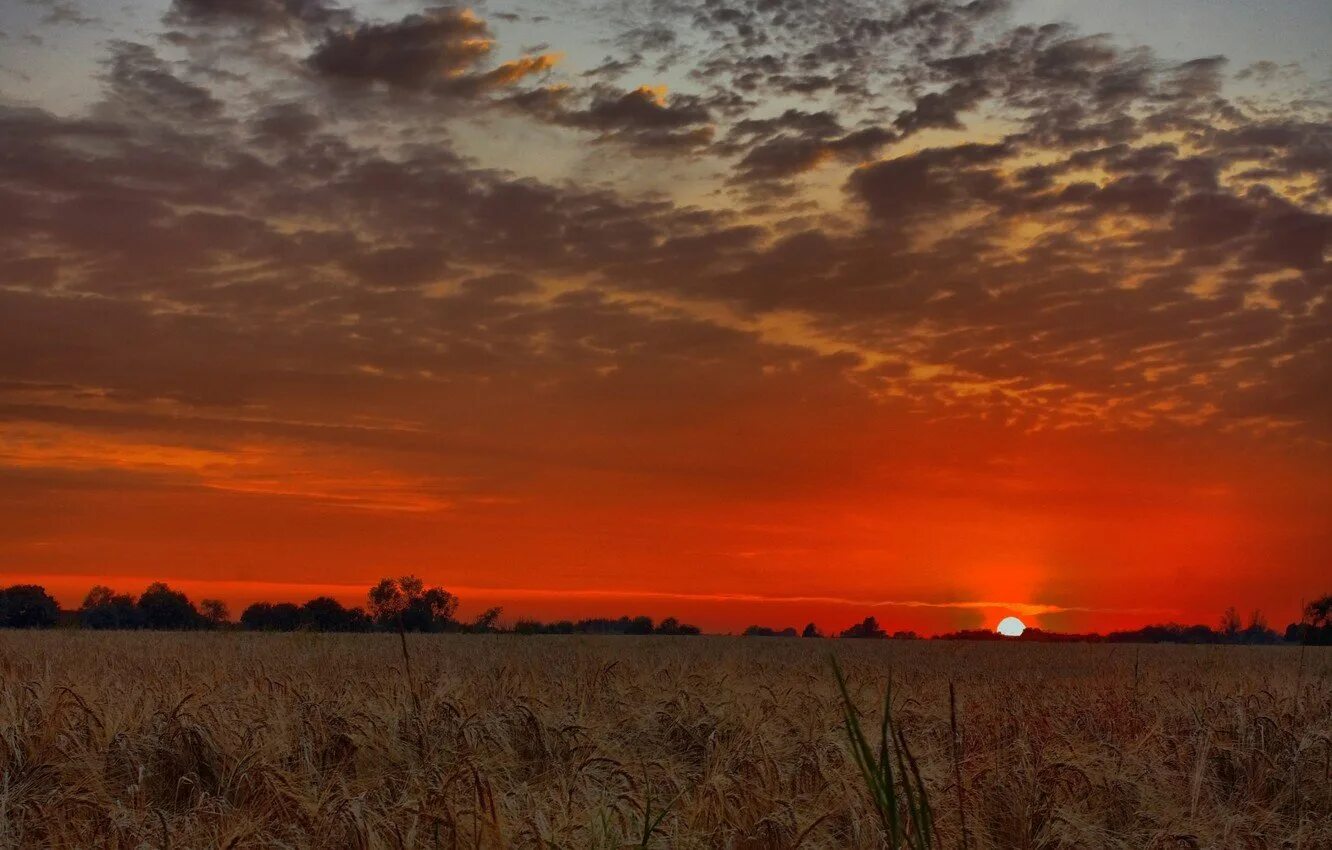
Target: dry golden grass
244, 740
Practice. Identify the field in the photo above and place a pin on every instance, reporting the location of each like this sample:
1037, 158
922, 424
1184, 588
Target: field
305, 740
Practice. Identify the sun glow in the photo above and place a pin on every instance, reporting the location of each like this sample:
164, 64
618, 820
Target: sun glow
1011, 627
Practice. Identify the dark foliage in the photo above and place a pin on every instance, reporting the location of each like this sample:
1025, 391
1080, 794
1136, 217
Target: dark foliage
164, 608
867, 628
764, 631
27, 606
605, 626
406, 603
1315, 628
271, 617
103, 608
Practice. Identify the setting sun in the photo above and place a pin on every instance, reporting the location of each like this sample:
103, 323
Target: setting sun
1011, 627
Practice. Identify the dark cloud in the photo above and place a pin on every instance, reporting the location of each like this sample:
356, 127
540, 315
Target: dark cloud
258, 15
785, 156
439, 51
64, 13
646, 118
942, 110
142, 85
416, 52
934, 180
1131, 252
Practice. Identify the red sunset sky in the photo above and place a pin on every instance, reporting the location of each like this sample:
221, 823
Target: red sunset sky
742, 313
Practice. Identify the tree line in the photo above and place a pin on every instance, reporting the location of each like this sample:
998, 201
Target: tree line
1314, 627
407, 604
393, 604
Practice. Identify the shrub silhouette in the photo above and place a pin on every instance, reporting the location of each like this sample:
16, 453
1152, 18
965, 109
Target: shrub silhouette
27, 606
867, 628
272, 617
103, 608
164, 608
407, 604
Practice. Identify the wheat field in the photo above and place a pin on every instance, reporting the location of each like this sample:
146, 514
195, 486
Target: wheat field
314, 740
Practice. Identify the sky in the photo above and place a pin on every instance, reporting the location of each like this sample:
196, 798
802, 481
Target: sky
741, 311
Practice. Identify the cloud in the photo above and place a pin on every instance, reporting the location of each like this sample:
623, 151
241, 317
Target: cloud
646, 117
255, 15
1123, 250
142, 84
439, 50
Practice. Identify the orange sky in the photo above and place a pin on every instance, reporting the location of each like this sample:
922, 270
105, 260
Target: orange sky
753, 317
928, 531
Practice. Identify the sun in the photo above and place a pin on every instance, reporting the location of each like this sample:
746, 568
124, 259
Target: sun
1011, 627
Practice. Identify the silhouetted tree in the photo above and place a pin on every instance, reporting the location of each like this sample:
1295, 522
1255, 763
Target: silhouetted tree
1318, 613
406, 603
765, 631
811, 631
326, 614
164, 608
103, 608
215, 612
272, 617
907, 635
1230, 624
1167, 633
1315, 627
486, 621
27, 606
672, 626
1258, 631
867, 628
639, 626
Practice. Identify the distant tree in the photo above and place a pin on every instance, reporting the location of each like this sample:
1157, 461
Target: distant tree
164, 608
638, 626
765, 631
27, 606
1318, 613
1230, 624
972, 634
326, 614
672, 626
387, 601
98, 596
867, 628
272, 617
811, 631
285, 616
1167, 633
486, 621
1257, 631
256, 617
406, 603
103, 608
215, 612
907, 635
1315, 627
